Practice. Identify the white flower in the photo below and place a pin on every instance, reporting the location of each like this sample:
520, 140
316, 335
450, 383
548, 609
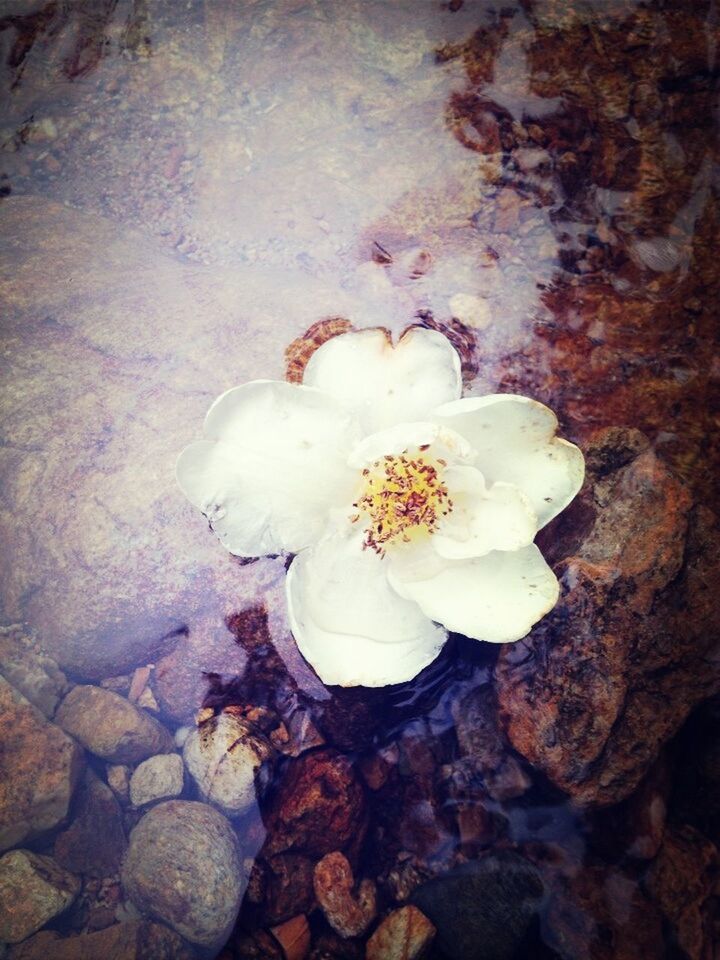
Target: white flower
411, 511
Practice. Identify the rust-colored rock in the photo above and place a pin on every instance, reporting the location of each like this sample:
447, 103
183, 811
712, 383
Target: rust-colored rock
603, 681
319, 807
679, 881
405, 934
294, 937
600, 914
348, 912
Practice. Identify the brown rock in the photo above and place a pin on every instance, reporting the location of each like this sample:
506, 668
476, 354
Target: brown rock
600, 913
679, 881
288, 886
33, 890
134, 940
319, 807
604, 680
348, 912
118, 778
294, 937
94, 843
111, 727
405, 934
39, 768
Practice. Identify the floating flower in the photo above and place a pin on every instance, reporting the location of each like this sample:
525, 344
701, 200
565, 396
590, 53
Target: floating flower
412, 511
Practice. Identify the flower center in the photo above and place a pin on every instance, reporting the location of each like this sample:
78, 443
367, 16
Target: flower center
400, 495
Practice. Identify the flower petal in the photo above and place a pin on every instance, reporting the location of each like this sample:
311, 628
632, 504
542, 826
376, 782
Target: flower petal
348, 622
496, 598
386, 384
515, 441
402, 437
483, 519
273, 466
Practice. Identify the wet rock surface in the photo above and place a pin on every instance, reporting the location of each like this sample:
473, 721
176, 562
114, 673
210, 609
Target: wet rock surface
30, 671
210, 655
319, 807
680, 881
615, 669
134, 940
183, 192
39, 770
33, 890
95, 842
349, 912
157, 778
482, 909
183, 866
405, 934
110, 726
600, 912
229, 761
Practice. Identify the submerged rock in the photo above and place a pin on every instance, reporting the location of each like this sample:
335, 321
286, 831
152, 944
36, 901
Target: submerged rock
39, 769
157, 778
118, 778
348, 911
612, 673
229, 761
95, 842
318, 808
183, 867
287, 886
294, 937
482, 743
134, 940
600, 912
680, 880
30, 671
208, 656
482, 910
110, 726
33, 890
405, 934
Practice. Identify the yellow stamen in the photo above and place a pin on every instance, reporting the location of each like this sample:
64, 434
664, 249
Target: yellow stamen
401, 494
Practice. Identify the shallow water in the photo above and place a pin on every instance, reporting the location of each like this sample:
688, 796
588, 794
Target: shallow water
186, 189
